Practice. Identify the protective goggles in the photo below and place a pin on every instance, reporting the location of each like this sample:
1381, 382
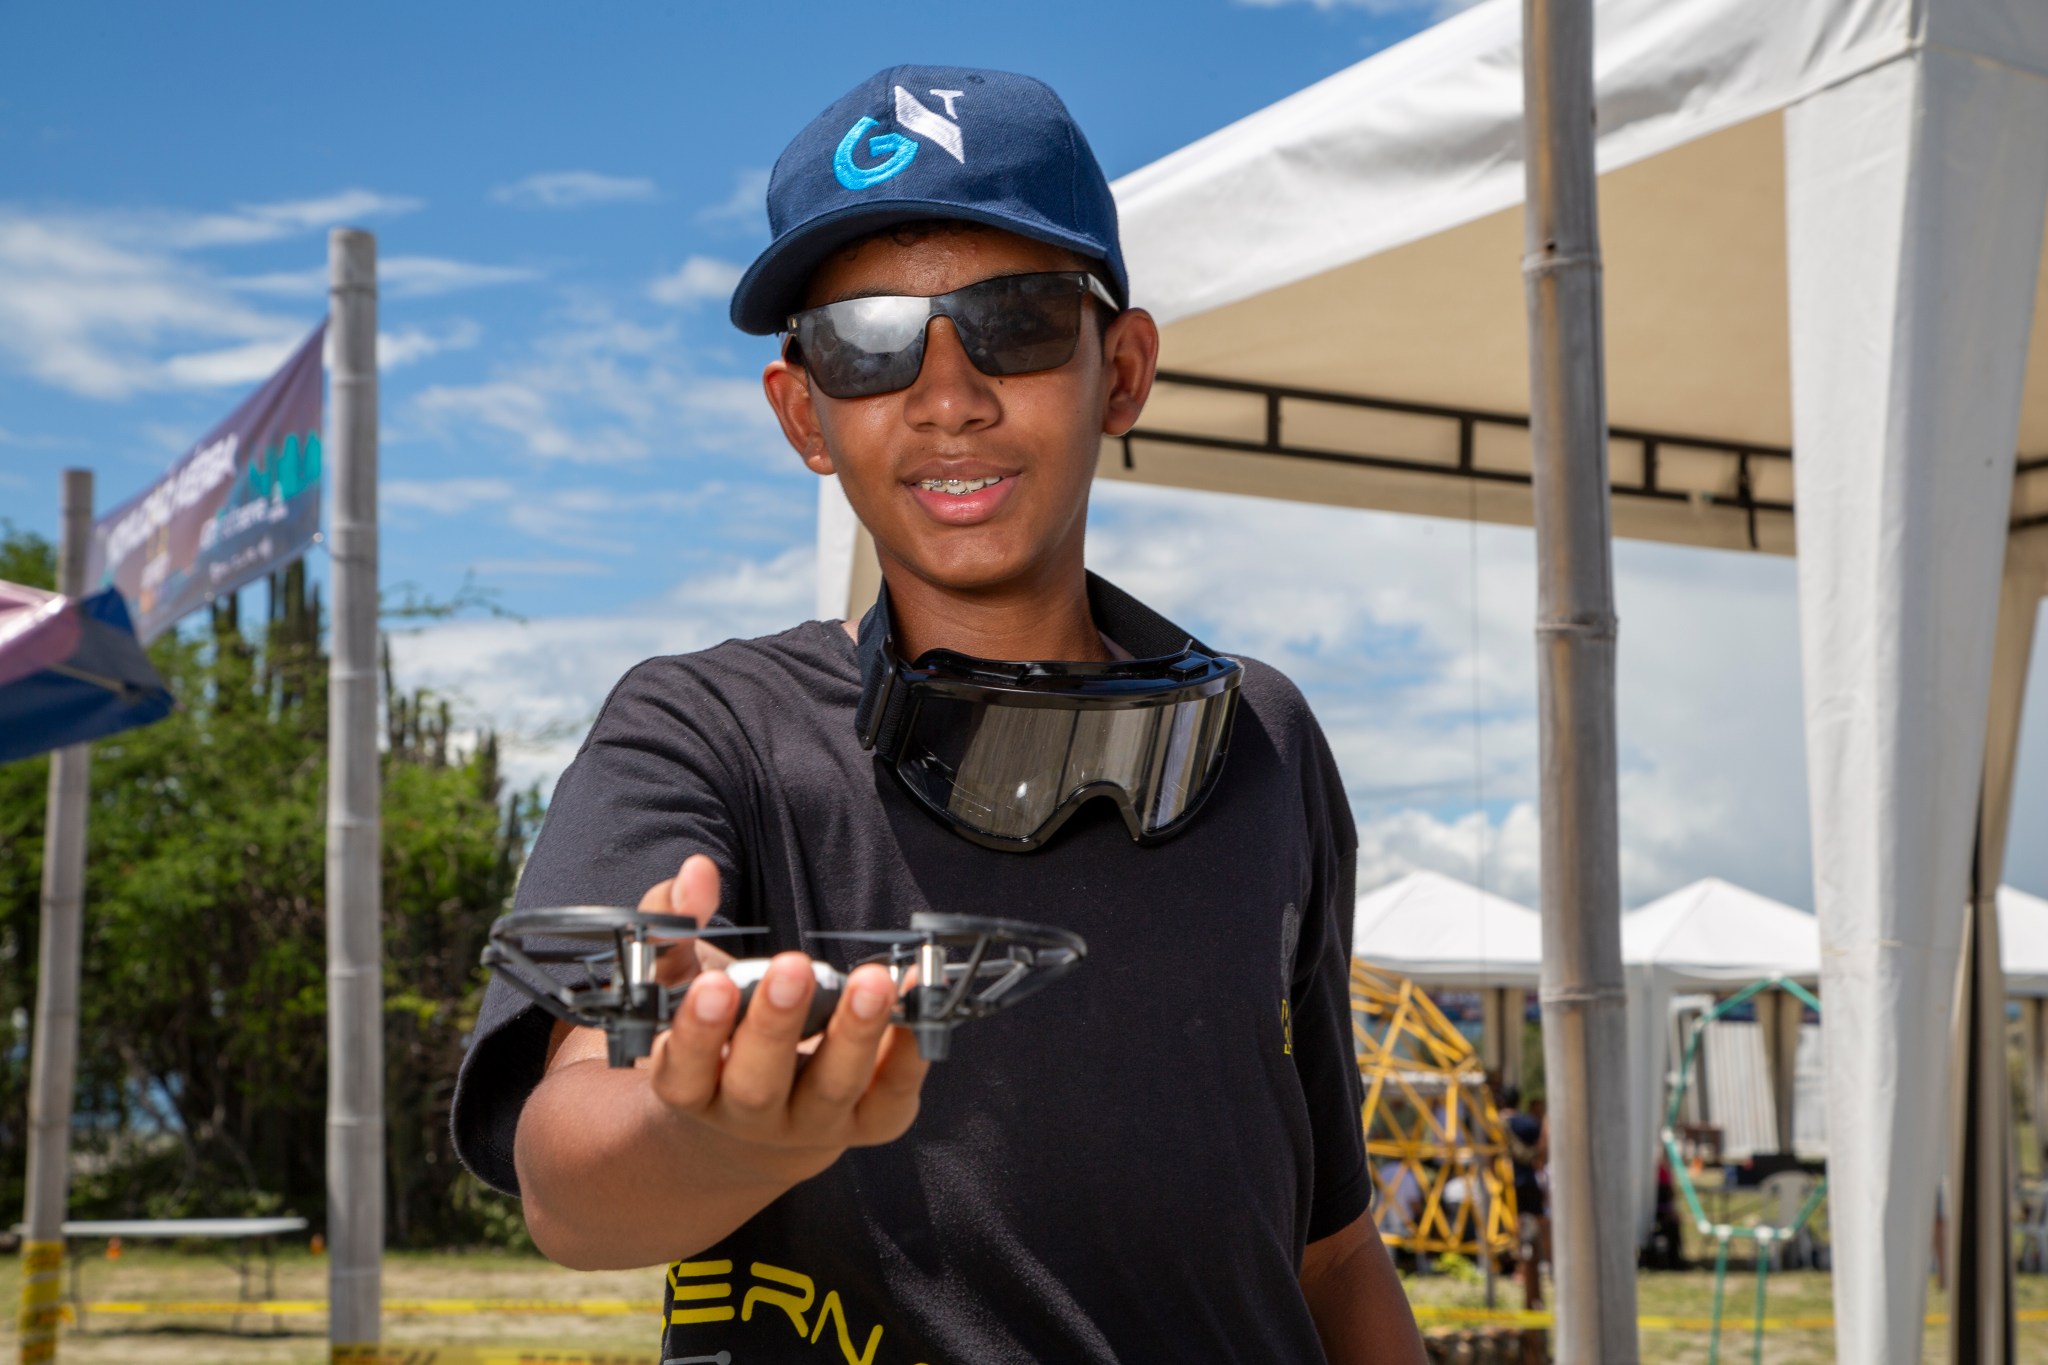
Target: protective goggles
1004, 752
1012, 324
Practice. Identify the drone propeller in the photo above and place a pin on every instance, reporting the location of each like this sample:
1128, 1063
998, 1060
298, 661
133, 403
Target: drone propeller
617, 949
1005, 961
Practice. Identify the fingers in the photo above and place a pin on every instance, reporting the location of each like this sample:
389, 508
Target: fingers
754, 1089
838, 1074
692, 893
687, 1057
886, 1109
694, 890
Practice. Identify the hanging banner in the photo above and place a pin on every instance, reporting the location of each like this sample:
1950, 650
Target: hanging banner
243, 501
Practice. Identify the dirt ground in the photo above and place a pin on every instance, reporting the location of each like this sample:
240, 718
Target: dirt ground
156, 1274
630, 1326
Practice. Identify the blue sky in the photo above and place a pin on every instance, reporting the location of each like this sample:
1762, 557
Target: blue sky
562, 198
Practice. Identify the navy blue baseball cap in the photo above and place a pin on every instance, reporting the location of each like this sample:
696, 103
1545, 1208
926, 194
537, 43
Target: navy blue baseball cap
920, 142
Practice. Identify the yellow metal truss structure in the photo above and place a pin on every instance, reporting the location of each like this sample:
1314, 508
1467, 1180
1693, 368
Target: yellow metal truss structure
1430, 1121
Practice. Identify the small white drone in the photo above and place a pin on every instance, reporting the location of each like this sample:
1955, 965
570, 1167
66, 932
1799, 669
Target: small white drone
1001, 962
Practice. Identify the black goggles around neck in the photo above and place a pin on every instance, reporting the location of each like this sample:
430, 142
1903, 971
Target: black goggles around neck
1004, 752
1012, 324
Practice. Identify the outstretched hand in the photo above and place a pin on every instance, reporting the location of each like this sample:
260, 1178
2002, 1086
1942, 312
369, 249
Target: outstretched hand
737, 1076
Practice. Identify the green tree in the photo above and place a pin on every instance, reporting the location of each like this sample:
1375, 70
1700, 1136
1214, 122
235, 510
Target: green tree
203, 1035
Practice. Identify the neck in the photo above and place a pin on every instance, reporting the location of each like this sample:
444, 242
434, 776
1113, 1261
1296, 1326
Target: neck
1043, 615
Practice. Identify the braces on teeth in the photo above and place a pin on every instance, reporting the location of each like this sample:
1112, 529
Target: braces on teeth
957, 485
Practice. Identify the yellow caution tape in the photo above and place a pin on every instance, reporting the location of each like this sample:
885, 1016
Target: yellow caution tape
1508, 1317
651, 1308
42, 1267
603, 1308
481, 1355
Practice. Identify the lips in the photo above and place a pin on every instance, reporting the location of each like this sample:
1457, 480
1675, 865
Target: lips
982, 489
964, 509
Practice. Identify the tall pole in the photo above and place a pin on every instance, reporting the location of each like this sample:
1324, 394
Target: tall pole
355, 984
1585, 1042
53, 1054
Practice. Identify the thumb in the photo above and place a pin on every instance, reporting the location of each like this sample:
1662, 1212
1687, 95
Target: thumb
693, 894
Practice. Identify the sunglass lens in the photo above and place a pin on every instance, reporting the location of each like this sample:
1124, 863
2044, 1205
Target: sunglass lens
860, 347
1019, 323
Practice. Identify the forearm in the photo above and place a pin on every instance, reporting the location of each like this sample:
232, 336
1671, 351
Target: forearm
1360, 1310
612, 1179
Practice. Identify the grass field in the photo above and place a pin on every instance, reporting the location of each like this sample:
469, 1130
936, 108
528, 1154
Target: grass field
301, 1340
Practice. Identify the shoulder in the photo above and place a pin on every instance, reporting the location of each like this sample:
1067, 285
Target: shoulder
1270, 701
811, 662
1274, 695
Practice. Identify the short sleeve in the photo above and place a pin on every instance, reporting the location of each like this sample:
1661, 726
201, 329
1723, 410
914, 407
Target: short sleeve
1321, 1008
653, 784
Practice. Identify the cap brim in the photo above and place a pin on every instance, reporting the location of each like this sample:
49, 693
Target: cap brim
774, 284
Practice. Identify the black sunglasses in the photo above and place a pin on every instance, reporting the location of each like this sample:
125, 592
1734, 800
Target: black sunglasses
1012, 324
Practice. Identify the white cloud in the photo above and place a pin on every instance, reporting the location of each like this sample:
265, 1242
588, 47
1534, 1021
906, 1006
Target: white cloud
1502, 857
398, 277
103, 305
408, 344
747, 204
1436, 9
540, 568
252, 223
574, 189
82, 312
447, 496
1376, 617
606, 391
541, 682
244, 364
697, 280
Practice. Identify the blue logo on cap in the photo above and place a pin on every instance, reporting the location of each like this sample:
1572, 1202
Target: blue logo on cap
898, 150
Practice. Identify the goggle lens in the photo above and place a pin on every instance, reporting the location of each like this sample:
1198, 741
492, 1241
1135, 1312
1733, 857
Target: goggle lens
1014, 772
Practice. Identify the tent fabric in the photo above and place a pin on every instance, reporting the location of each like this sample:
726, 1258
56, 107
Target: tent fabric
37, 629
102, 682
1442, 932
2023, 940
1364, 237
1427, 135
1711, 935
1915, 197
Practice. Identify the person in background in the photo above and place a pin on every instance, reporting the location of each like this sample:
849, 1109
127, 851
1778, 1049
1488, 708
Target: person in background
1529, 1151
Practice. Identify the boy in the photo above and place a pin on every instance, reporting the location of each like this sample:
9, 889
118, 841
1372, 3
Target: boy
1160, 1158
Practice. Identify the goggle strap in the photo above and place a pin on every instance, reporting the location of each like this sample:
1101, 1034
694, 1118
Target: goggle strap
883, 705
880, 715
1139, 629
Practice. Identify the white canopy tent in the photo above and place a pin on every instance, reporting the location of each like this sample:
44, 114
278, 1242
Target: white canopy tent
1442, 932
2023, 939
1710, 936
1448, 935
1822, 223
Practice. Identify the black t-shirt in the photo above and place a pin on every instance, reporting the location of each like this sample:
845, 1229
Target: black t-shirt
1124, 1168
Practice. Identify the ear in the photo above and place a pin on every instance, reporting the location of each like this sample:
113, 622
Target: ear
789, 393
1130, 357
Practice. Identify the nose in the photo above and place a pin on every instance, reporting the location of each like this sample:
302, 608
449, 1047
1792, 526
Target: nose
949, 395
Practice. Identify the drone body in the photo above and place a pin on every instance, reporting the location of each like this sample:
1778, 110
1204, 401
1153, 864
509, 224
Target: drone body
1003, 961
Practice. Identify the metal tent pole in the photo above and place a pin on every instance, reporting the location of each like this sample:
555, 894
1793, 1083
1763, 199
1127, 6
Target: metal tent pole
53, 1055
1980, 1319
355, 986
1585, 1042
